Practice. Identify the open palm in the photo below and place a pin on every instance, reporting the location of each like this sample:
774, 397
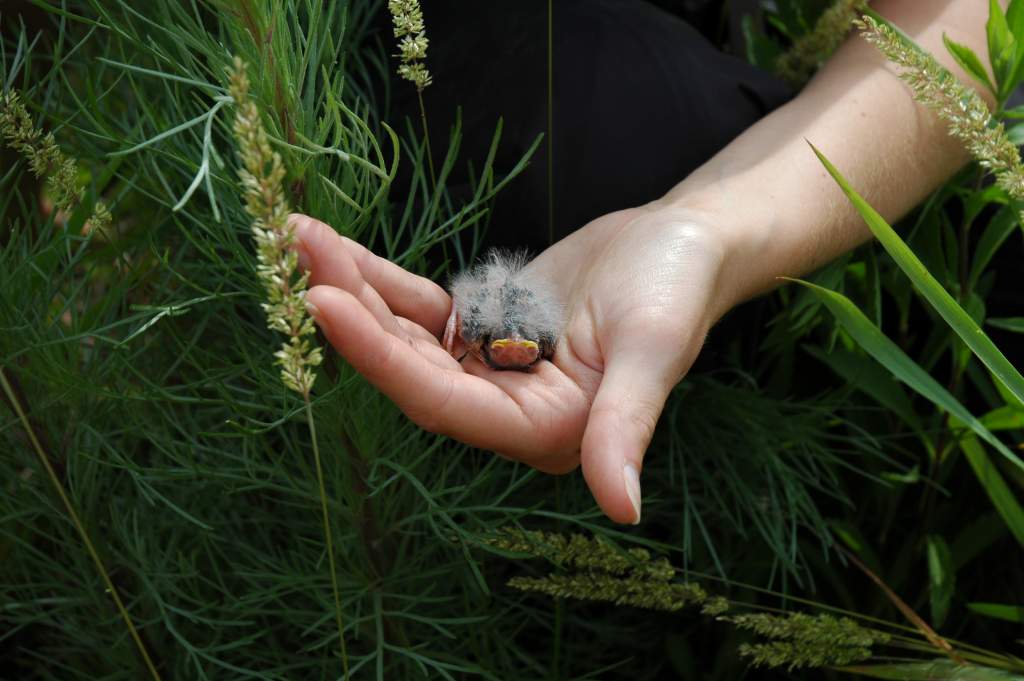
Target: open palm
638, 288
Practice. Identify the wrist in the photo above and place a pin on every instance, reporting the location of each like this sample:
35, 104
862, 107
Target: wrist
739, 231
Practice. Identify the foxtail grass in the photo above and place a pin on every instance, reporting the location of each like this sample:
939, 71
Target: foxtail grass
261, 175
46, 160
965, 113
590, 569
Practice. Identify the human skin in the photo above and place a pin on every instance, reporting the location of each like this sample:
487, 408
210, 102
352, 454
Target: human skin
644, 285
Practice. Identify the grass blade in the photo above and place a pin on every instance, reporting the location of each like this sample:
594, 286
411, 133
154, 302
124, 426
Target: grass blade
879, 346
1010, 613
995, 486
932, 290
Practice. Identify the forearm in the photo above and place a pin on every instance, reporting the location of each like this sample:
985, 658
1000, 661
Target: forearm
779, 211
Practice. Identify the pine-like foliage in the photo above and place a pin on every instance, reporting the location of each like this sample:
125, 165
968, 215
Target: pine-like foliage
142, 359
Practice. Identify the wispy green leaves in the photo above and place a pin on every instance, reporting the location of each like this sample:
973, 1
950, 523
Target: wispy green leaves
995, 486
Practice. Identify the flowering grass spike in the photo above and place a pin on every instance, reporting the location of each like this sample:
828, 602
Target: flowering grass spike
798, 640
261, 174
965, 113
409, 29
46, 159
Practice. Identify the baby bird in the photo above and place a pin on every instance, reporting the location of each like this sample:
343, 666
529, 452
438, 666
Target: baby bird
507, 318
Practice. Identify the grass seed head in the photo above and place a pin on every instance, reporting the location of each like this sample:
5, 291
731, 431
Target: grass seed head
262, 176
407, 18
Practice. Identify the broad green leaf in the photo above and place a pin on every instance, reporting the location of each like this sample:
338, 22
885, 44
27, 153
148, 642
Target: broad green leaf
996, 233
1000, 41
1015, 324
892, 357
1004, 418
939, 670
1015, 19
957, 318
994, 485
1006, 78
1007, 396
977, 200
941, 578
1010, 613
969, 61
1015, 133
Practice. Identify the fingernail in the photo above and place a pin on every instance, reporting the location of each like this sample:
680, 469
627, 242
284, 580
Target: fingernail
313, 311
632, 480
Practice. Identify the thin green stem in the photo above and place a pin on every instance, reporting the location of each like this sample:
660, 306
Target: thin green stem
426, 139
79, 526
329, 542
551, 126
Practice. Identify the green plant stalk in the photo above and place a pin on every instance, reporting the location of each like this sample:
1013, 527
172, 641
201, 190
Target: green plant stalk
79, 526
426, 139
328, 541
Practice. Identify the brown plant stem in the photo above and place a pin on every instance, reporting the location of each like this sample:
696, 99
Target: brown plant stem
941, 644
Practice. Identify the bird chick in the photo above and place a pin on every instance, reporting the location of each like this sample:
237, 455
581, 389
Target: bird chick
507, 318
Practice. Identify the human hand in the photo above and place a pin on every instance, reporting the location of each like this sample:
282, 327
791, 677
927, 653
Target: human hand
641, 289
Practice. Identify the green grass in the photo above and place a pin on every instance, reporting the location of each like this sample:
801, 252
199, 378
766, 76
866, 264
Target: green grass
142, 361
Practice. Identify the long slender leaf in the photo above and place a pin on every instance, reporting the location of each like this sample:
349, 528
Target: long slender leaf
966, 57
1015, 324
957, 318
1010, 613
879, 346
941, 578
997, 232
995, 487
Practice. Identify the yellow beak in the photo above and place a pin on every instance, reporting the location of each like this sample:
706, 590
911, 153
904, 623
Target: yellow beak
502, 343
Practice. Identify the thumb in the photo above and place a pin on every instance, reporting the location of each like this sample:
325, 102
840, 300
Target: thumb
625, 411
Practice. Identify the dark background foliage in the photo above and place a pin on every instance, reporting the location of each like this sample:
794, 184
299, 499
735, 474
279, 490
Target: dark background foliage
143, 361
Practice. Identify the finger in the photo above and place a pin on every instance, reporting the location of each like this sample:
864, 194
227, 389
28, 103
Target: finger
433, 352
334, 260
626, 408
414, 330
442, 401
329, 262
